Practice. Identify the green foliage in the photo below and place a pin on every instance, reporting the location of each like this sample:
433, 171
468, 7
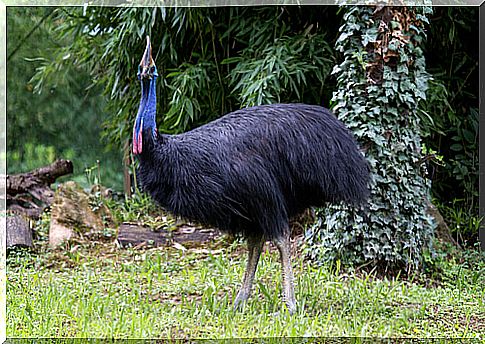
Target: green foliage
61, 122
452, 103
41, 228
456, 137
380, 82
210, 60
192, 95
93, 174
32, 156
451, 267
464, 225
139, 208
279, 71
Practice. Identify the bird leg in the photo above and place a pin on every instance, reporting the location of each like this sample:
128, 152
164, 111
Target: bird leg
255, 246
283, 245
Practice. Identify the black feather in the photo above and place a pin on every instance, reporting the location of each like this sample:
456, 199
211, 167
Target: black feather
251, 170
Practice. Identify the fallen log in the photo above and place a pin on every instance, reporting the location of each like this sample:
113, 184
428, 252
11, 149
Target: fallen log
29, 193
137, 235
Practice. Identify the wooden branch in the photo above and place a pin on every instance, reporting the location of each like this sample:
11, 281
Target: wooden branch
33, 213
24, 182
26, 190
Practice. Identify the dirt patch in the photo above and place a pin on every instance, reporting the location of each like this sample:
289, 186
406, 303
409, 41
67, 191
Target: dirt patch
452, 318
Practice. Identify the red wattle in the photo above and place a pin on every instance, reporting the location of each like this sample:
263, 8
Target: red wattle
139, 142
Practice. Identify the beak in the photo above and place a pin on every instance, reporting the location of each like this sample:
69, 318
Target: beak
146, 63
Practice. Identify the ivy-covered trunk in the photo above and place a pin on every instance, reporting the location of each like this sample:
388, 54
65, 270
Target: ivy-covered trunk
380, 82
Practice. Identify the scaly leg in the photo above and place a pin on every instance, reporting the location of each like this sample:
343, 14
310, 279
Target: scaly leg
283, 245
255, 246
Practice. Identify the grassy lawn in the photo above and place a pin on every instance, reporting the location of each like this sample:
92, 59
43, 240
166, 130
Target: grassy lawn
100, 290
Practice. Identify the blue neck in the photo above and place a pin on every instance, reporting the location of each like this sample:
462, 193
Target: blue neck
145, 125
148, 106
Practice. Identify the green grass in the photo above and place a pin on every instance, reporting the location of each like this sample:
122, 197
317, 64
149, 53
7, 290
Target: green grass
96, 289
103, 291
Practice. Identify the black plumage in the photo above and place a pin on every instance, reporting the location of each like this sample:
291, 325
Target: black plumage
249, 171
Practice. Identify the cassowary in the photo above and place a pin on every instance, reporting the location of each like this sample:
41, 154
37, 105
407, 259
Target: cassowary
249, 171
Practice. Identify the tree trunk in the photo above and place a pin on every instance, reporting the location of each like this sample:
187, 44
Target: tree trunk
380, 82
442, 231
18, 231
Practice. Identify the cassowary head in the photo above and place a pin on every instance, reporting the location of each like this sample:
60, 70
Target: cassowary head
147, 68
145, 119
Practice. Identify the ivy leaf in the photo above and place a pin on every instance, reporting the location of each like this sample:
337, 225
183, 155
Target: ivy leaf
343, 37
402, 68
370, 36
422, 18
336, 69
393, 44
469, 136
406, 85
387, 74
456, 147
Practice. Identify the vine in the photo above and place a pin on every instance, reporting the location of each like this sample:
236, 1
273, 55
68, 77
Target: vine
379, 84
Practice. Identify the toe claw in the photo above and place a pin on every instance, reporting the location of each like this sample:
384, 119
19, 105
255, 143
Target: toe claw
240, 300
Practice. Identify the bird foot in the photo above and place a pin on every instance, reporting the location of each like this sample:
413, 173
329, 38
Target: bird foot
240, 300
291, 306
